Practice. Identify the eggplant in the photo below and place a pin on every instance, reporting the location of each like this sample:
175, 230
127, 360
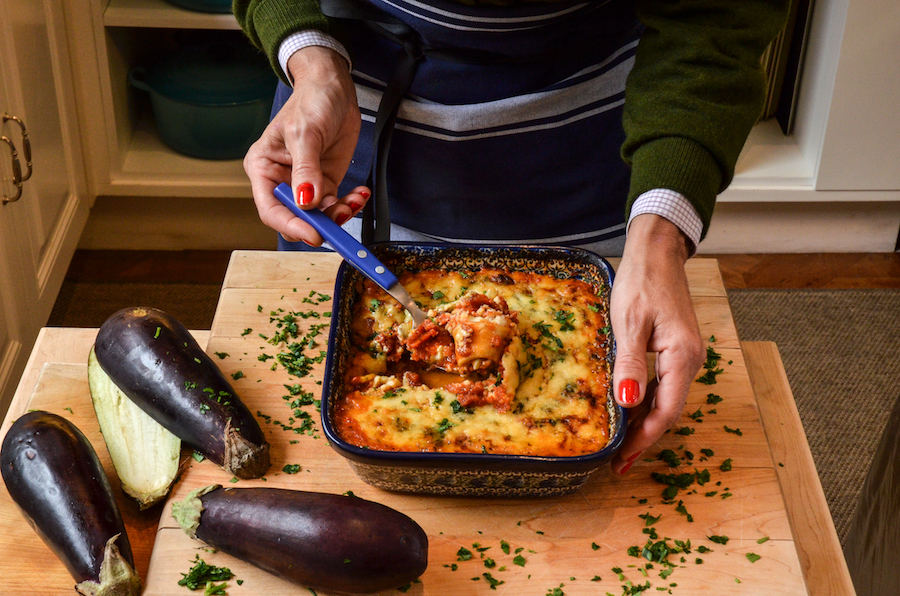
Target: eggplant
318, 540
158, 364
53, 474
145, 455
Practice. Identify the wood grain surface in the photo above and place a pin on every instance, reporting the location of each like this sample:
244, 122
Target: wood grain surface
570, 543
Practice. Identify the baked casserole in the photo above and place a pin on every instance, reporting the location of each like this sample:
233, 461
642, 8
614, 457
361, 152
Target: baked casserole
509, 362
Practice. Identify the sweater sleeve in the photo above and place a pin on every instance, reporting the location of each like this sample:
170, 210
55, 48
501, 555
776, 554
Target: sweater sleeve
696, 90
268, 22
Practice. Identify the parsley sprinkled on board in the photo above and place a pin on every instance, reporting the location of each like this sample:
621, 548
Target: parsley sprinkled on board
753, 557
202, 574
670, 457
291, 468
712, 399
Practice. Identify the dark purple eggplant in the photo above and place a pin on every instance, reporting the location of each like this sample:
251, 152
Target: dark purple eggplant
318, 540
157, 363
53, 474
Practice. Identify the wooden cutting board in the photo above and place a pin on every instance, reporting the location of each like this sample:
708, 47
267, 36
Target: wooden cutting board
568, 542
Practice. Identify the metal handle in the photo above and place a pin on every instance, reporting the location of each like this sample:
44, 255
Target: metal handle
17, 171
26, 143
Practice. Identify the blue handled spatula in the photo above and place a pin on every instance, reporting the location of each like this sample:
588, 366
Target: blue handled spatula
348, 247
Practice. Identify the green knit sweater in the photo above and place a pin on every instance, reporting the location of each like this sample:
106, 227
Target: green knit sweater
696, 89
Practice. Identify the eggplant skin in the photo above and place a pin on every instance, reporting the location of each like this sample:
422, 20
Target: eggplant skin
158, 364
318, 540
53, 474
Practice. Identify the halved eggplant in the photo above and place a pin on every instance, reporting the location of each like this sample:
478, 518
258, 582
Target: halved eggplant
317, 540
158, 364
53, 474
145, 455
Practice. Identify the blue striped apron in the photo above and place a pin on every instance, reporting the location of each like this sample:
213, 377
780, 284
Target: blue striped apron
510, 129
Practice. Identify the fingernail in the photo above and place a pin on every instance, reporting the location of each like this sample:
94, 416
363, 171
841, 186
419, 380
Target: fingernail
365, 194
629, 391
630, 462
355, 207
307, 242
342, 219
305, 193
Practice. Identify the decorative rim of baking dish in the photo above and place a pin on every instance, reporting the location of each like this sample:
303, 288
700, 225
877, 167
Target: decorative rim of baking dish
389, 252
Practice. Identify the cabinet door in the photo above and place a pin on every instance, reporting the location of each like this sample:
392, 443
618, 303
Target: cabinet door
41, 229
14, 320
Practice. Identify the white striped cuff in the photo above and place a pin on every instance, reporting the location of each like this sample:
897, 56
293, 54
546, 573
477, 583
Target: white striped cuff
674, 207
303, 39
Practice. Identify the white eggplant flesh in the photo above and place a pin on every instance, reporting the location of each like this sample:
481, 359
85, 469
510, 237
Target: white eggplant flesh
145, 455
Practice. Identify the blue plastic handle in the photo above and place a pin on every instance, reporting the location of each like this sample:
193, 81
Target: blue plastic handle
343, 243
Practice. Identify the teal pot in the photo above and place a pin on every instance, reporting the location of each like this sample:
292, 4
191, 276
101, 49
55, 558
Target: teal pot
220, 6
209, 100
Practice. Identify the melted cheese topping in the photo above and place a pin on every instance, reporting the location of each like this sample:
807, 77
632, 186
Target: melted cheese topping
530, 352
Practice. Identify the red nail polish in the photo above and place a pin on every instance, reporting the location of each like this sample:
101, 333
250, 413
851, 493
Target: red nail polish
342, 219
364, 194
629, 391
630, 461
305, 193
354, 206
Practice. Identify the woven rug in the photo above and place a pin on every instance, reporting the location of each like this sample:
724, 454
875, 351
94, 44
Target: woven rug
841, 353
840, 348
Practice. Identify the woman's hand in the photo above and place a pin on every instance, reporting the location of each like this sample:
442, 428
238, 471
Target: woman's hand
309, 145
651, 311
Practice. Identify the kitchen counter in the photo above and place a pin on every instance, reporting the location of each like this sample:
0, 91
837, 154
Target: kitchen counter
772, 491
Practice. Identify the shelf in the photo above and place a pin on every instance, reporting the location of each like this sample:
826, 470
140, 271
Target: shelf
150, 168
770, 158
161, 14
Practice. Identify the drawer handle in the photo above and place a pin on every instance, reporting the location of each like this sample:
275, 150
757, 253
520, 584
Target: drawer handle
17, 171
26, 143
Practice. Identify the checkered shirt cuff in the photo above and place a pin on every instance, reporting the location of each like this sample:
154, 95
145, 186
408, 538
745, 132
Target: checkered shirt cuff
303, 39
674, 207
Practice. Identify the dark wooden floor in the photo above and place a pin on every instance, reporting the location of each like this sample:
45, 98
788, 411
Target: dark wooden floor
832, 271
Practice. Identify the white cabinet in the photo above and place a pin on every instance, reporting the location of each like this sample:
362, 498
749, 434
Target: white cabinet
126, 156
39, 231
834, 184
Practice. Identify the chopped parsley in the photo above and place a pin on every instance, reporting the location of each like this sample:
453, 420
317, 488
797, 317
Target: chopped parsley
202, 575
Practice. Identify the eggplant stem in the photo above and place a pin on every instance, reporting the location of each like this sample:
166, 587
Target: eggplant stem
117, 577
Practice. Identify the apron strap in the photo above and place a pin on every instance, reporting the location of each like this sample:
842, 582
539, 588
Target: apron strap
376, 224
